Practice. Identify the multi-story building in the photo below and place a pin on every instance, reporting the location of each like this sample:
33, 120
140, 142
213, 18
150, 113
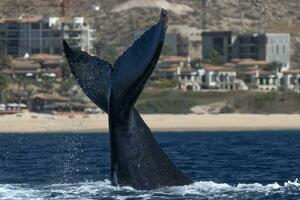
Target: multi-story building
262, 80
190, 80
76, 31
211, 77
292, 80
38, 34
271, 47
181, 40
175, 45
220, 77
191, 42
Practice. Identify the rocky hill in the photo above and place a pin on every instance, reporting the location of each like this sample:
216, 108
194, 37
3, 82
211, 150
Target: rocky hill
116, 20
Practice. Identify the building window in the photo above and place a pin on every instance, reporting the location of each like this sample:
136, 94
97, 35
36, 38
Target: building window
46, 43
13, 26
35, 50
283, 49
57, 51
229, 41
221, 77
13, 51
35, 43
23, 42
12, 34
13, 42
293, 80
277, 49
35, 26
46, 25
56, 33
214, 78
254, 39
254, 50
218, 45
46, 50
35, 34
46, 33
261, 81
267, 81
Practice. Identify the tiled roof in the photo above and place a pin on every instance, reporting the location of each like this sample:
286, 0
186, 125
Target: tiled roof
18, 63
261, 72
50, 97
241, 62
211, 67
43, 57
166, 69
29, 19
172, 59
293, 71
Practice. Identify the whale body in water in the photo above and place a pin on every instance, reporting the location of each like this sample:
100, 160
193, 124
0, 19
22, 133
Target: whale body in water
137, 160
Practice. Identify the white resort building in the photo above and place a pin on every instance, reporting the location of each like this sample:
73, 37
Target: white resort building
292, 80
210, 78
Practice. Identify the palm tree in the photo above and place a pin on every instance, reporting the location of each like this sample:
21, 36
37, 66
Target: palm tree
3, 87
6, 61
214, 58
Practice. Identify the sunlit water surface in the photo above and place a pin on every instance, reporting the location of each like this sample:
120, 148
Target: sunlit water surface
224, 165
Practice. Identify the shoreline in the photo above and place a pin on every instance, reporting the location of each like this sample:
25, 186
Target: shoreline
43, 123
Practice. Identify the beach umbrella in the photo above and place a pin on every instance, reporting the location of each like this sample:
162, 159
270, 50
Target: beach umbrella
29, 75
22, 105
52, 75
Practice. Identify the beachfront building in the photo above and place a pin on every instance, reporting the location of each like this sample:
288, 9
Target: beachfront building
262, 80
51, 65
259, 75
270, 47
24, 68
190, 80
38, 34
46, 103
35, 66
167, 66
220, 78
292, 80
211, 77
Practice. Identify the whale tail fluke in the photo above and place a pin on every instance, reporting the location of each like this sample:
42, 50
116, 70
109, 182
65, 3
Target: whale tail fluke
91, 73
126, 78
133, 68
136, 158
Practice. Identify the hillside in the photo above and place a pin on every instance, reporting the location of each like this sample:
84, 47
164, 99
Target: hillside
118, 19
167, 101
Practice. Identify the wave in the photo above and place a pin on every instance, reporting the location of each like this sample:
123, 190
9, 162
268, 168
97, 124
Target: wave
197, 190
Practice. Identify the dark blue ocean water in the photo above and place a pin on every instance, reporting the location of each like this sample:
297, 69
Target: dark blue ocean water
224, 165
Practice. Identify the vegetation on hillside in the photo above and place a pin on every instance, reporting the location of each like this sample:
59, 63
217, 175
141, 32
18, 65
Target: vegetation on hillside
177, 102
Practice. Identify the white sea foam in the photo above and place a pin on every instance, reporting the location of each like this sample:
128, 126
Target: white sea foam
103, 189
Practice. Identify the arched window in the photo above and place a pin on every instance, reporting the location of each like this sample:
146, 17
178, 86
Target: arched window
221, 77
189, 88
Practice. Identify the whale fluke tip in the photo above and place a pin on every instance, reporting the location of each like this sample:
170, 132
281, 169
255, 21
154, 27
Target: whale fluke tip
68, 51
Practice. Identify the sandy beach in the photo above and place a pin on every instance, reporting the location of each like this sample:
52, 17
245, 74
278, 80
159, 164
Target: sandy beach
43, 123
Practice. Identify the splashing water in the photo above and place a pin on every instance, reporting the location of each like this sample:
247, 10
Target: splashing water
198, 190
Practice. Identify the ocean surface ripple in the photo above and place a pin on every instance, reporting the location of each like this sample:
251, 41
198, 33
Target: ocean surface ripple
198, 190
241, 165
